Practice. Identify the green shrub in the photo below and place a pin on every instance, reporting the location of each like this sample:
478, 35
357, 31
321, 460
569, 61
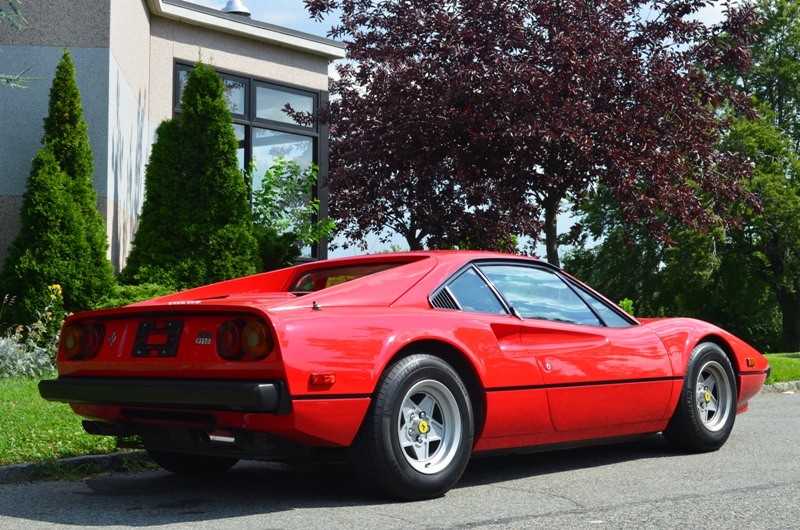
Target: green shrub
195, 226
275, 250
122, 295
627, 305
30, 350
63, 238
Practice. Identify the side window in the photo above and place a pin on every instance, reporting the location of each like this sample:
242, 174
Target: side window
610, 316
538, 293
473, 294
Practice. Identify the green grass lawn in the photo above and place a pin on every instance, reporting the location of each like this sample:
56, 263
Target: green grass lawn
34, 430
785, 367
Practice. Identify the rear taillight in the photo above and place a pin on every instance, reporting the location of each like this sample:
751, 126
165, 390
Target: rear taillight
82, 341
244, 339
229, 339
256, 340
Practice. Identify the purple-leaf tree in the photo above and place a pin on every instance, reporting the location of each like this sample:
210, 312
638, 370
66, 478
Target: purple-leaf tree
468, 123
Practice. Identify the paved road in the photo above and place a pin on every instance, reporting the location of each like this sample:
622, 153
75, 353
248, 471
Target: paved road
752, 482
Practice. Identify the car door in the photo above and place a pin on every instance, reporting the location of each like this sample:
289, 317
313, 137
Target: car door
599, 367
516, 401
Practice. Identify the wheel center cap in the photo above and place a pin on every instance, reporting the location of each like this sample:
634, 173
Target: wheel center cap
423, 427
707, 396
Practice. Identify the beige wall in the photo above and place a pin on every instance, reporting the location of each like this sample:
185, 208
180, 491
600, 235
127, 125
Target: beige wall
130, 41
172, 40
129, 135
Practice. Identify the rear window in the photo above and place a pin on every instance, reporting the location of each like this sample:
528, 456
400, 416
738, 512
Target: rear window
317, 280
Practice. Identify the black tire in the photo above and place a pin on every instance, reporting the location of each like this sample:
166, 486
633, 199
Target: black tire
706, 411
192, 465
419, 453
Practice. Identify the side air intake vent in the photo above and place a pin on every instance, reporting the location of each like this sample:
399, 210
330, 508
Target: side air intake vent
443, 300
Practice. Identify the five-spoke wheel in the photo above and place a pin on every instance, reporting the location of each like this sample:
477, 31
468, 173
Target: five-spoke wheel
713, 396
417, 436
429, 426
704, 417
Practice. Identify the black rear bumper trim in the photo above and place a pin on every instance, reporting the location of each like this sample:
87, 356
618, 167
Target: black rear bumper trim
237, 396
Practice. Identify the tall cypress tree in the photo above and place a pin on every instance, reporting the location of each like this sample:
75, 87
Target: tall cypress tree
195, 227
63, 238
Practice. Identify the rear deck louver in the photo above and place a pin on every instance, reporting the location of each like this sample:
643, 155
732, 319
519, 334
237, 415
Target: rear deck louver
443, 300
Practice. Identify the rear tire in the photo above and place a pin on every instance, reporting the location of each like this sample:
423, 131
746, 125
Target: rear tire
191, 465
705, 414
416, 439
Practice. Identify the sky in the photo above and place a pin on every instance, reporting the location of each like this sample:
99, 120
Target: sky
290, 14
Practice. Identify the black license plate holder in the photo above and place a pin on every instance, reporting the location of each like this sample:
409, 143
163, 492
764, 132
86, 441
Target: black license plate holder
157, 338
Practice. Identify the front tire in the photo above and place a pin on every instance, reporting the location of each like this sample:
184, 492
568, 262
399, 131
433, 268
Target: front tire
705, 414
416, 439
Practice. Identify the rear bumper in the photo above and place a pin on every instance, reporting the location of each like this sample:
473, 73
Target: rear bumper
236, 396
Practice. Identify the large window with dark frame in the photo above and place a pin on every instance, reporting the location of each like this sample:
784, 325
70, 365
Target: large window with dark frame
264, 131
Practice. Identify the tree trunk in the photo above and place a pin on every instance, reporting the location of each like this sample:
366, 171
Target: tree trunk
551, 204
790, 312
414, 243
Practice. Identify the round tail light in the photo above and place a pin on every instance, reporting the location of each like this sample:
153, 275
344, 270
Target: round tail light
256, 340
92, 339
229, 339
71, 342
81, 341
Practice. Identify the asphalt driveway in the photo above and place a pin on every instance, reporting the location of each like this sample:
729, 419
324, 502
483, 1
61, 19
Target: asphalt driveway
752, 482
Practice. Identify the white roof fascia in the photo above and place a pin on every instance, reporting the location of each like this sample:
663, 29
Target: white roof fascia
237, 25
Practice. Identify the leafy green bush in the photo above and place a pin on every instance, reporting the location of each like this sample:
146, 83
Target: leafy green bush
63, 237
627, 305
122, 295
195, 226
285, 213
275, 250
30, 350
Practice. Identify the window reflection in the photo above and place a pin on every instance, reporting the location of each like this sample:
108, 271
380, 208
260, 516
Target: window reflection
538, 293
270, 103
269, 145
235, 92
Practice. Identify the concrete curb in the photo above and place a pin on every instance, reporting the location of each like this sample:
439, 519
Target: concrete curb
779, 388
89, 464
123, 460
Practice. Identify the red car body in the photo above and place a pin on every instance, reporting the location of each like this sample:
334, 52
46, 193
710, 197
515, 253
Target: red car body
331, 332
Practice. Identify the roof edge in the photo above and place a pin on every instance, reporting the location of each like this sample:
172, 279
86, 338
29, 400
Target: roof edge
206, 17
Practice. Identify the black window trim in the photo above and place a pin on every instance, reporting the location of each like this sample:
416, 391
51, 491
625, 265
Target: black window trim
251, 83
445, 286
576, 288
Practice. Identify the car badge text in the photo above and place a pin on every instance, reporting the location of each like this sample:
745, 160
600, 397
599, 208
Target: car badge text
204, 338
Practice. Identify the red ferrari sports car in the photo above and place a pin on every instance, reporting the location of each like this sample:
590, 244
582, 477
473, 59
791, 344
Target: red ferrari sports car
406, 363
